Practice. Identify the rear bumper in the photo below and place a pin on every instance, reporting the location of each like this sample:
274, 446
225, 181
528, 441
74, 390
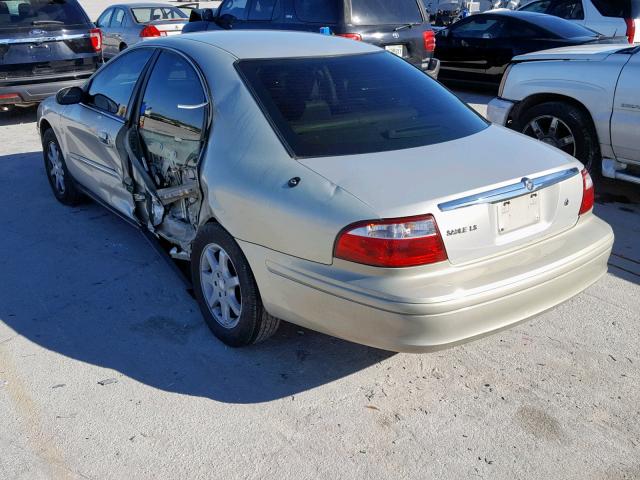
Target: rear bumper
422, 309
28, 93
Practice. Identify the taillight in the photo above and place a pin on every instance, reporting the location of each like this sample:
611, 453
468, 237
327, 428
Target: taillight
352, 36
588, 192
95, 34
395, 242
631, 29
429, 38
152, 31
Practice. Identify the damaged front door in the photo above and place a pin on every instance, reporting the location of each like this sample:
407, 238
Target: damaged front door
170, 131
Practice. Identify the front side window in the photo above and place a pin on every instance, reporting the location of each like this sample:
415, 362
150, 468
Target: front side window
104, 19
318, 11
262, 10
18, 14
111, 88
174, 110
568, 9
235, 8
355, 104
559, 27
384, 12
481, 27
537, 7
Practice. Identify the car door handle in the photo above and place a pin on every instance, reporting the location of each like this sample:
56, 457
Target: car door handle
104, 138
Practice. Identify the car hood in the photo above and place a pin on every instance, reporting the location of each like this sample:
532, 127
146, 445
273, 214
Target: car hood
590, 52
408, 182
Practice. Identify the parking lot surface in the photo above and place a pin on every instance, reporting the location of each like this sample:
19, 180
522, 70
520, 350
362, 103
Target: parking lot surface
107, 370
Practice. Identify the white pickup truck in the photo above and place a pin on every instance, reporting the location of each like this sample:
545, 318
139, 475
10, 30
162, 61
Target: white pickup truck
584, 100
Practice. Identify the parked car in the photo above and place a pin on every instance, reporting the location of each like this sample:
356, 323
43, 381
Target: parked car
608, 17
124, 25
44, 46
328, 183
401, 27
583, 100
479, 48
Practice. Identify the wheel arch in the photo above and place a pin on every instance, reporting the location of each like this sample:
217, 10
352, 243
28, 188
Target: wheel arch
540, 98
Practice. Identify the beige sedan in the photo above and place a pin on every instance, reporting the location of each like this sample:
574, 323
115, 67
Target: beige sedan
327, 183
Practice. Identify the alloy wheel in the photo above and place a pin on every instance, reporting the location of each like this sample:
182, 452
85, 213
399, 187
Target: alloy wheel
56, 170
220, 286
553, 131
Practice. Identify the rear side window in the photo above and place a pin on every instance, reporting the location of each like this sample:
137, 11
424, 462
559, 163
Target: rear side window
33, 13
355, 104
538, 7
111, 88
613, 8
118, 17
385, 12
569, 9
318, 11
563, 28
235, 8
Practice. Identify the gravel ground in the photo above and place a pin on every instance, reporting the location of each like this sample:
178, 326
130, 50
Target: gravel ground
107, 371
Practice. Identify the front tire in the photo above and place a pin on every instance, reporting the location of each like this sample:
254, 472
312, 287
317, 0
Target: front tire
60, 180
226, 290
566, 127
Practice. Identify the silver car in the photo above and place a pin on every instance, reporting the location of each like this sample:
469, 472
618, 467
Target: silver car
327, 183
124, 25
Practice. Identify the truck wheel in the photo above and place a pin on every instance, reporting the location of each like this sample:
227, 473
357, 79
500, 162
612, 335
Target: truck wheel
226, 290
565, 127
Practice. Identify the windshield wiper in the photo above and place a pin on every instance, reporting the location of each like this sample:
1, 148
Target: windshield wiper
402, 27
47, 22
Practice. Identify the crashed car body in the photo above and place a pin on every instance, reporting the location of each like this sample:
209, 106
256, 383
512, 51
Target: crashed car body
328, 183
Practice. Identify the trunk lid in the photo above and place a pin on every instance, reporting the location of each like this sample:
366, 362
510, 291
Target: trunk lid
431, 179
170, 27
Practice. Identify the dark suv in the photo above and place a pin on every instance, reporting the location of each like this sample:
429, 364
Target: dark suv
45, 45
400, 26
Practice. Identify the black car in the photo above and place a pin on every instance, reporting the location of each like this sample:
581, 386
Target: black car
45, 45
479, 48
400, 26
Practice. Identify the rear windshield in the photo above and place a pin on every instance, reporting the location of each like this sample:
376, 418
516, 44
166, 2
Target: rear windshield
385, 12
148, 14
355, 104
561, 27
45, 13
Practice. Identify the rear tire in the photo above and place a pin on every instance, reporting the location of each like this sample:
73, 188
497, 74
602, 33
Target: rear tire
570, 122
60, 180
226, 290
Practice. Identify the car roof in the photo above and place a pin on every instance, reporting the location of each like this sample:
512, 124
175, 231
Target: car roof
254, 44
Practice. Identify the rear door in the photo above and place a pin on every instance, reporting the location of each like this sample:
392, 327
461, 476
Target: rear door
95, 130
625, 122
41, 40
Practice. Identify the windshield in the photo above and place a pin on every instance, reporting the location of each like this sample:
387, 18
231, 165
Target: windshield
152, 14
15, 14
384, 12
354, 104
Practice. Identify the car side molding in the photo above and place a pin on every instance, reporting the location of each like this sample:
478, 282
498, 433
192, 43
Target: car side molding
524, 186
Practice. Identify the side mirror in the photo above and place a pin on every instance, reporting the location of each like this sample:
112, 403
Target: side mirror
226, 21
70, 96
208, 14
444, 33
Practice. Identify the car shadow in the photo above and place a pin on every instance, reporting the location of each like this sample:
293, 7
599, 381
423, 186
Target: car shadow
618, 203
18, 115
81, 282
